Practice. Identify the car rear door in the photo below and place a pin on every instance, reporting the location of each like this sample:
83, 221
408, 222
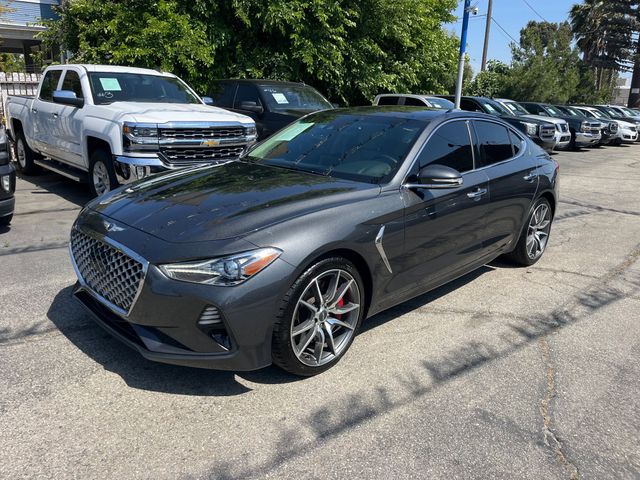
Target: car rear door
444, 228
45, 114
512, 169
69, 125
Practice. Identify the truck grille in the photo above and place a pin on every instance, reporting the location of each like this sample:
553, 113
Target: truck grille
107, 271
613, 127
198, 133
194, 155
547, 131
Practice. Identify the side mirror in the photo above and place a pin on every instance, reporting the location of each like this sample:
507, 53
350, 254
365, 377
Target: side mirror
67, 97
251, 107
208, 101
437, 176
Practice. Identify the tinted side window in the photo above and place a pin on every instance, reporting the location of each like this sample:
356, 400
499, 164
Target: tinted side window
49, 84
532, 108
388, 100
516, 141
222, 94
72, 82
246, 93
469, 106
414, 102
494, 142
450, 146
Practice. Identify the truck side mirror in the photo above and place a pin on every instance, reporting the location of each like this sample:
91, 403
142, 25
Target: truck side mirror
208, 101
67, 97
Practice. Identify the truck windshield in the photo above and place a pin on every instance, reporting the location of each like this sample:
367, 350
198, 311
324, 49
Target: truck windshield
516, 108
293, 97
109, 87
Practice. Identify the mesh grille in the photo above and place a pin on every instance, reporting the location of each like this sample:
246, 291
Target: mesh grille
186, 155
547, 131
107, 271
190, 133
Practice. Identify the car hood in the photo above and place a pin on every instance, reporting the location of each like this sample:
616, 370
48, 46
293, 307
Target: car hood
542, 118
173, 112
224, 201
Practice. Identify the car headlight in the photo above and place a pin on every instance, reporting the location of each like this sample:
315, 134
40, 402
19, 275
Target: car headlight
224, 271
531, 129
6, 183
140, 136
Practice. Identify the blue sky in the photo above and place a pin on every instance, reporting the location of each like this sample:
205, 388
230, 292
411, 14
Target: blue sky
512, 15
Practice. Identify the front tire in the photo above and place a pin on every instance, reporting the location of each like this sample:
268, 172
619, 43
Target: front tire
319, 317
102, 176
25, 156
535, 235
6, 220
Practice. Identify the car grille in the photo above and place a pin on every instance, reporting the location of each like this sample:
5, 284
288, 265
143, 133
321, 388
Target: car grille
547, 131
197, 133
107, 271
194, 155
613, 127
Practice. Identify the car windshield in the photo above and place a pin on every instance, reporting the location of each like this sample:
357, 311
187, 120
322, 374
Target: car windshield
439, 103
293, 97
516, 108
553, 111
598, 114
494, 107
109, 87
628, 112
361, 147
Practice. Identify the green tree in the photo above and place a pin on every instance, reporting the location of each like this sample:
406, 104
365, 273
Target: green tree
349, 49
492, 82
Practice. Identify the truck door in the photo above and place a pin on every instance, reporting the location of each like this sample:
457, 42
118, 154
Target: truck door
69, 126
45, 113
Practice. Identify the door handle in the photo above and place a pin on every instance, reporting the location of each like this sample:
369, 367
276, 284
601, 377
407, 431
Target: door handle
55, 115
530, 176
477, 193
34, 110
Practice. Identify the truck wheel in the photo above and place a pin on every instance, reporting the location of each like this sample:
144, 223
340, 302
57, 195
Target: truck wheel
102, 176
25, 156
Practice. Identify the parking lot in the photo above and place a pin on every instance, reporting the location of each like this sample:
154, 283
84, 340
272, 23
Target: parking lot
506, 373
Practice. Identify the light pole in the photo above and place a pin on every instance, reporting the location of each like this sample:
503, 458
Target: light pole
487, 29
463, 49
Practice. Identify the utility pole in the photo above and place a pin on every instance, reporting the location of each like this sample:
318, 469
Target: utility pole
487, 29
463, 49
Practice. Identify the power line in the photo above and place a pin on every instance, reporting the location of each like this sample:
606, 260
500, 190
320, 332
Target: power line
534, 10
493, 19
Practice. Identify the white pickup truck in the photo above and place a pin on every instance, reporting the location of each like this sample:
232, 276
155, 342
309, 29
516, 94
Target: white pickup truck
110, 125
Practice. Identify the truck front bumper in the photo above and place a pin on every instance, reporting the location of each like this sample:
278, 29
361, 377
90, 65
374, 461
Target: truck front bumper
130, 169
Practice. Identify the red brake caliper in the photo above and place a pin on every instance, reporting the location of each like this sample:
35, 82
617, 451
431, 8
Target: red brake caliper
340, 304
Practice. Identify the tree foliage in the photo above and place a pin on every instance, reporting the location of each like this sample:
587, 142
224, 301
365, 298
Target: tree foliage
349, 49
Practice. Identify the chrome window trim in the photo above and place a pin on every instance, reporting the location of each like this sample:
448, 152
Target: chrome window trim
118, 246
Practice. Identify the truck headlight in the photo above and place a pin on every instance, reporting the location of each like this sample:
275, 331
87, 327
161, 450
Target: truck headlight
531, 128
224, 271
140, 136
6, 183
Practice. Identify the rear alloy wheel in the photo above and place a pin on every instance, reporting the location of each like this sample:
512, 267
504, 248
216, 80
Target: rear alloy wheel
535, 237
25, 156
322, 313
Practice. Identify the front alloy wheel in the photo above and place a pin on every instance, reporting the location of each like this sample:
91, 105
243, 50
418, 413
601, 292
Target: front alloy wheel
538, 231
319, 319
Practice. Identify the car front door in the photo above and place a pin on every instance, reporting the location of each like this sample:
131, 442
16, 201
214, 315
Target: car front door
512, 168
444, 228
45, 114
69, 128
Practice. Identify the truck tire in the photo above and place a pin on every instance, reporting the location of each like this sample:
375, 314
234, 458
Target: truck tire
102, 176
25, 156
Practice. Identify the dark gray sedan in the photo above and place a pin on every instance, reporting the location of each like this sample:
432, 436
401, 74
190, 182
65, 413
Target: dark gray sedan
278, 257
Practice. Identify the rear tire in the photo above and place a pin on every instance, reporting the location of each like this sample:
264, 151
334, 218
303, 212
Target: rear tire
25, 156
319, 317
102, 176
534, 237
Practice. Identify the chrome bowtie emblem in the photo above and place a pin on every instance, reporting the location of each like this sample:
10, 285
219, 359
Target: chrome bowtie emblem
112, 227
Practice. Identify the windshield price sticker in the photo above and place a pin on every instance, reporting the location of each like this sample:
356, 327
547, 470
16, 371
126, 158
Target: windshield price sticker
110, 84
280, 98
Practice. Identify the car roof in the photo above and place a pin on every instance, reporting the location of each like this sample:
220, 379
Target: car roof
410, 95
257, 81
425, 114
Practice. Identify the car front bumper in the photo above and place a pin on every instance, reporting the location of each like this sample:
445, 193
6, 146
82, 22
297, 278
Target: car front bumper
627, 136
563, 139
584, 139
7, 200
132, 168
164, 324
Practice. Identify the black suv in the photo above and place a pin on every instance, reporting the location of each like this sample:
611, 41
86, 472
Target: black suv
271, 104
7, 182
541, 132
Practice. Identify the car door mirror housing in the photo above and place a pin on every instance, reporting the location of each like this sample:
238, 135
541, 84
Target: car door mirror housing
67, 97
208, 101
251, 107
437, 176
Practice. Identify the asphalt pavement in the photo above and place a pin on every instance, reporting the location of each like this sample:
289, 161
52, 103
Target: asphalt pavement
514, 373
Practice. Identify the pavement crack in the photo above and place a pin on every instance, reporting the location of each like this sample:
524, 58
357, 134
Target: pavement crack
550, 438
